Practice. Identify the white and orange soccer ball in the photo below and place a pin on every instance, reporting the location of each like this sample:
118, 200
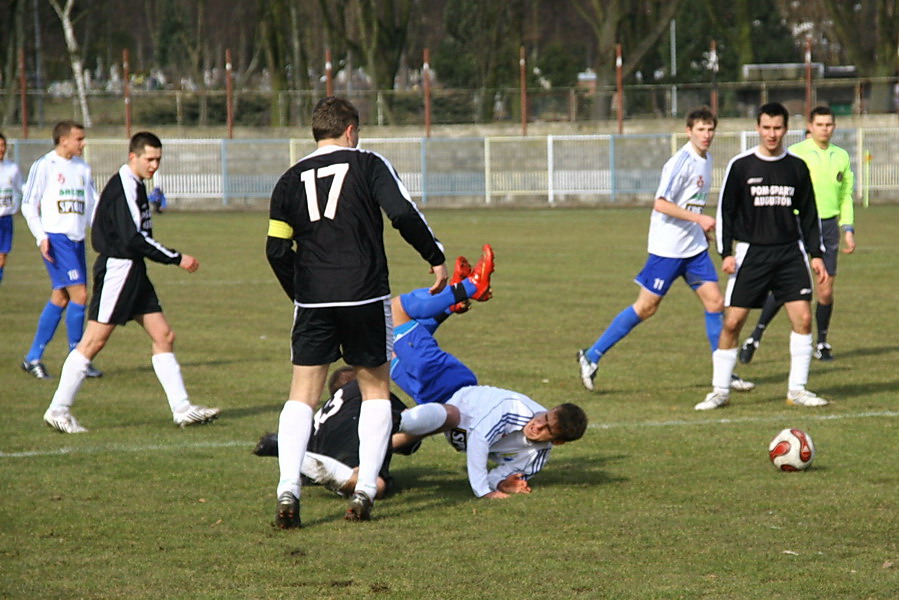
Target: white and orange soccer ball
792, 450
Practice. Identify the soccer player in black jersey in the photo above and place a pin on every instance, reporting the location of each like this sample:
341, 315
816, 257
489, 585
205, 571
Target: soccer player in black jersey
325, 245
122, 235
768, 226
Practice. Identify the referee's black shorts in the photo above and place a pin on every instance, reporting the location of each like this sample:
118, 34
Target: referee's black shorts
362, 334
122, 290
782, 270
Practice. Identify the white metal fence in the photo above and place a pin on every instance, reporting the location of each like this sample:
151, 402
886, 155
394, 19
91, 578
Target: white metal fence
490, 171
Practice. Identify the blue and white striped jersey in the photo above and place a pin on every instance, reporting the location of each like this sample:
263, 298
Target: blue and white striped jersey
491, 426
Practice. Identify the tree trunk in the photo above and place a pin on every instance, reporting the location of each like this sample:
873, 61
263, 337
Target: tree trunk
65, 17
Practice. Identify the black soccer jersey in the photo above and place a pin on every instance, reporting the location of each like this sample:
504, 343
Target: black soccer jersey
330, 205
122, 226
766, 202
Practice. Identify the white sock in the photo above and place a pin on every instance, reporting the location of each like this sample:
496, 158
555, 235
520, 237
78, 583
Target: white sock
800, 360
70, 380
723, 364
325, 470
423, 419
294, 428
375, 423
168, 372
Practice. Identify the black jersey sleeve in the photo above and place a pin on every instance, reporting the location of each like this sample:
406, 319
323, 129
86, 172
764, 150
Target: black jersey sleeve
279, 246
727, 202
405, 217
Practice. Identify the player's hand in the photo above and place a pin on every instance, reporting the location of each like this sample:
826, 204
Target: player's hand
45, 250
706, 222
497, 495
440, 277
849, 241
514, 484
729, 265
189, 263
820, 271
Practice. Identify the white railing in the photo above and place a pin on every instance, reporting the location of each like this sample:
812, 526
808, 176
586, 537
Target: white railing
564, 169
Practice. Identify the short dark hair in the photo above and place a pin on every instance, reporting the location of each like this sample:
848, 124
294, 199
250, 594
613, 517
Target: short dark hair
572, 422
703, 113
773, 109
64, 128
331, 116
2, 137
339, 378
819, 110
141, 140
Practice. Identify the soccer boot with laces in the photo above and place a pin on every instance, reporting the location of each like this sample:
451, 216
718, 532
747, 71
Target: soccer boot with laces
747, 350
480, 275
738, 384
195, 415
287, 515
824, 352
63, 421
462, 270
805, 398
588, 369
36, 369
359, 508
713, 400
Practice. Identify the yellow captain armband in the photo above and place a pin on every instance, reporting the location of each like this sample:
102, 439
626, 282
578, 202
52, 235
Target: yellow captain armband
279, 229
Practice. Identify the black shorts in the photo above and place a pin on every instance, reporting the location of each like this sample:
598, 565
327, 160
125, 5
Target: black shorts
361, 334
782, 270
830, 231
122, 290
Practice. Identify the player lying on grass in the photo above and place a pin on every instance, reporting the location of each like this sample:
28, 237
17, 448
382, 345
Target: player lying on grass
332, 456
487, 423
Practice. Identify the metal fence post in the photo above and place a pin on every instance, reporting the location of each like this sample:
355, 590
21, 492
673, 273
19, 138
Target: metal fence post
613, 171
225, 176
487, 190
424, 170
549, 170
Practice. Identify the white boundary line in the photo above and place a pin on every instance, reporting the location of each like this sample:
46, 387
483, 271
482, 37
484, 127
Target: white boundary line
726, 421
118, 448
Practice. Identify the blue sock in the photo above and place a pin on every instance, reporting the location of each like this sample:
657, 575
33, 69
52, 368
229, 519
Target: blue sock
74, 324
46, 327
1, 274
420, 304
713, 324
620, 326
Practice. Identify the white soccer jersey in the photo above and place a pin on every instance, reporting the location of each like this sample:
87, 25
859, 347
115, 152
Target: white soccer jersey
491, 426
10, 188
59, 197
686, 180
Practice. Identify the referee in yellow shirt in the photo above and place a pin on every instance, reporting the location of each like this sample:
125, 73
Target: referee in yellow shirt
833, 180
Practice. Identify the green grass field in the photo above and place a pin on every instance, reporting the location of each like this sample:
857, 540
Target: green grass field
657, 500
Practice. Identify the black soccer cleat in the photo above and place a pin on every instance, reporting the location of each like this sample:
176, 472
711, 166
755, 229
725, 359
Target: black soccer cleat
267, 445
824, 352
288, 514
359, 508
747, 350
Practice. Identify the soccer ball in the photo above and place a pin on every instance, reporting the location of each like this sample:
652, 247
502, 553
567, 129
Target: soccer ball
792, 450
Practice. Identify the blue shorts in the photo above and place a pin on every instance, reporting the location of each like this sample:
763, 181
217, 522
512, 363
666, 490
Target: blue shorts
423, 370
5, 234
69, 266
660, 272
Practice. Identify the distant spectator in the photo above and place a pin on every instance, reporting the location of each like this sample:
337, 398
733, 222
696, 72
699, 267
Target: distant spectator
157, 199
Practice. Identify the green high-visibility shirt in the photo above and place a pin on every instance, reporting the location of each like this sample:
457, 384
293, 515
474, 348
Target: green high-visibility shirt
832, 179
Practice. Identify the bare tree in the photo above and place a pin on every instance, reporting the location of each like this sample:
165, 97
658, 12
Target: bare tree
65, 17
869, 31
635, 25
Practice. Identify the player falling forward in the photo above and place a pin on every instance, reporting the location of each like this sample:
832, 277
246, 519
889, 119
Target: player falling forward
677, 247
487, 423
